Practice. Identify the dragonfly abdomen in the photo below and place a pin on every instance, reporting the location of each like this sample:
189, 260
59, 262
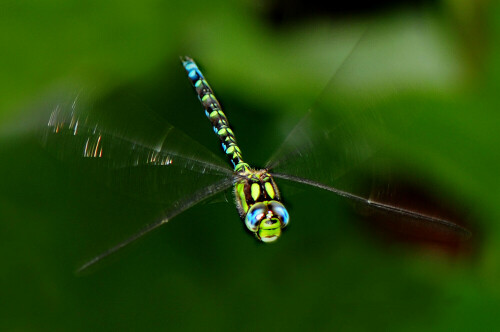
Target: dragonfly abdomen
214, 113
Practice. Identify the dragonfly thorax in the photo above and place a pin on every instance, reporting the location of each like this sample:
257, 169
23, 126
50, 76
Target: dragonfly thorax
258, 202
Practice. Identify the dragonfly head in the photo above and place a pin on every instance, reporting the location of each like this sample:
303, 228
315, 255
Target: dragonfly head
266, 219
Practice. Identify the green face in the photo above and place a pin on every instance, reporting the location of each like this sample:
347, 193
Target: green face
269, 230
266, 219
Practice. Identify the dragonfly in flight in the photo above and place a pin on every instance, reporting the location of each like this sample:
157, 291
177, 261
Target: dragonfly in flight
319, 152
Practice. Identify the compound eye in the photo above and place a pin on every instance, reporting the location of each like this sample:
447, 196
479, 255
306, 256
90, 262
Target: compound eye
255, 215
280, 211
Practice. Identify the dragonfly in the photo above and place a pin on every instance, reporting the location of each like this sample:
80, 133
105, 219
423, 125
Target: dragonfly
138, 151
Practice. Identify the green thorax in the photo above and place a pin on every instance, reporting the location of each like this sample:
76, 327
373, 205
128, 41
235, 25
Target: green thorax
254, 186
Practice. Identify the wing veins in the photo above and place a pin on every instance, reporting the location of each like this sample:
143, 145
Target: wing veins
462, 231
115, 136
273, 161
183, 205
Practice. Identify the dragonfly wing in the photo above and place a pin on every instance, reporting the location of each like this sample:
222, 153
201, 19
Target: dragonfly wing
178, 207
342, 144
432, 227
130, 148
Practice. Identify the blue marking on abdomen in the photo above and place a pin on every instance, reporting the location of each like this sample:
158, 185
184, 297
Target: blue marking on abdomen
195, 75
190, 65
193, 71
210, 104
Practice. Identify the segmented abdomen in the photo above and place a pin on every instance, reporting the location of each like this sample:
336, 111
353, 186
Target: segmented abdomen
214, 113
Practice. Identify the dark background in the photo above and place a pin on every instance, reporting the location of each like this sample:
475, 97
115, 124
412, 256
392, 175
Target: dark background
268, 62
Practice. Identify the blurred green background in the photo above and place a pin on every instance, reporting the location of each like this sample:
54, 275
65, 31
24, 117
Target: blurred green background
267, 62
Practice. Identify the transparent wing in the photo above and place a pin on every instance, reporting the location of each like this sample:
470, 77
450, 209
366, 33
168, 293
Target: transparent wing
133, 151
130, 148
343, 144
176, 208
